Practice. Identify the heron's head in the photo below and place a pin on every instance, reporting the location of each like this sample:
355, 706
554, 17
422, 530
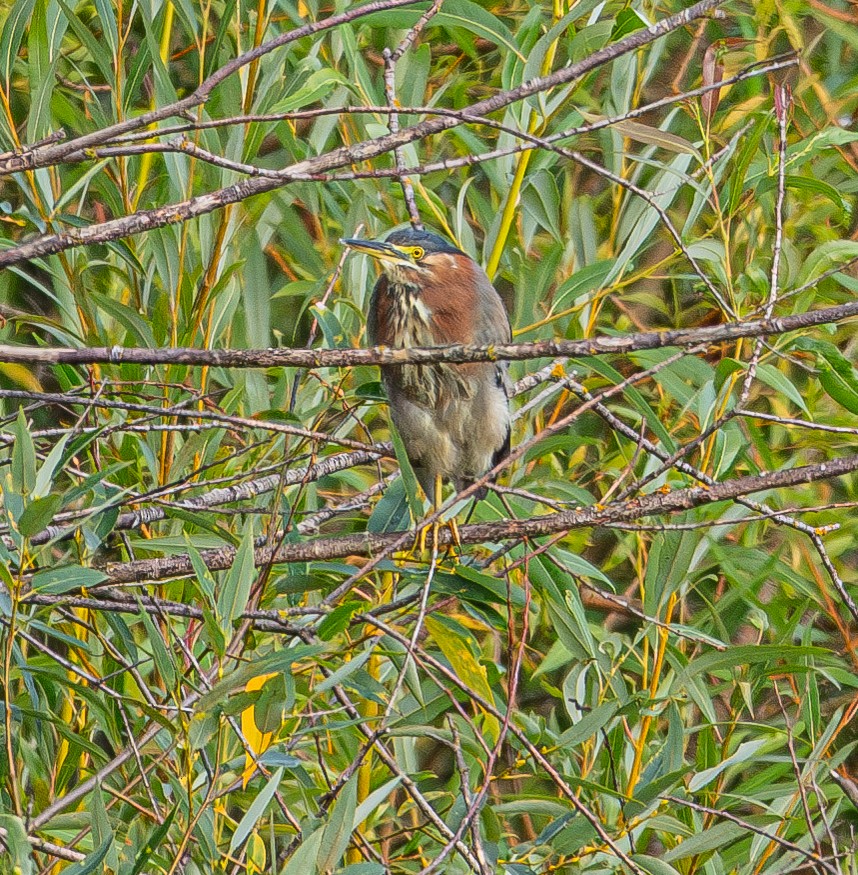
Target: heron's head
410, 257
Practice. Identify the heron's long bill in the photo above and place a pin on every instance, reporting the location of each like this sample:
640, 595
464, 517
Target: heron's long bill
378, 249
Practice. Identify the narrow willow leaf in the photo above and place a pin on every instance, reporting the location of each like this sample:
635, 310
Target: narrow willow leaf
722, 835
653, 865
162, 656
278, 660
66, 578
338, 620
406, 472
392, 513
13, 31
255, 812
374, 800
303, 861
45, 474
153, 843
93, 861
348, 668
836, 374
471, 672
235, 590
338, 829
17, 845
23, 456
38, 514
824, 257
478, 20
771, 376
743, 753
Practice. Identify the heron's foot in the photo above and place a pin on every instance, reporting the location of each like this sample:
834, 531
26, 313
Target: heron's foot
429, 536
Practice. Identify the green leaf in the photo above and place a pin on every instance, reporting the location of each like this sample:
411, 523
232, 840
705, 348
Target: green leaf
338, 620
588, 725
721, 835
391, 514
38, 514
94, 860
94, 48
627, 21
640, 218
23, 456
836, 374
807, 184
412, 488
746, 153
653, 865
743, 753
304, 860
160, 653
45, 475
42, 75
344, 671
373, 800
338, 829
478, 20
737, 656
153, 842
771, 376
66, 578
255, 812
824, 257
278, 660
584, 281
541, 199
17, 19
232, 599
17, 845
635, 396
317, 85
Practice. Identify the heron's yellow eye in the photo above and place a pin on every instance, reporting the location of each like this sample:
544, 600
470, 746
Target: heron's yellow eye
417, 252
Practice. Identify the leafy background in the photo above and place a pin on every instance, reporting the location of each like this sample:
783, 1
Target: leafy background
673, 695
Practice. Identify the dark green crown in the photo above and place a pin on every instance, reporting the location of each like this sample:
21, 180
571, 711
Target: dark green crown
429, 241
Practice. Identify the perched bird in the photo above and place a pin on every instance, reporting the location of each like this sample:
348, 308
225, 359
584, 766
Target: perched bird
453, 418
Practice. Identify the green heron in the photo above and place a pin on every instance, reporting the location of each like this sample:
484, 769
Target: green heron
453, 418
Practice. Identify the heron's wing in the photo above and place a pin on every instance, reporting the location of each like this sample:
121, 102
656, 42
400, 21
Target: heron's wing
491, 320
492, 326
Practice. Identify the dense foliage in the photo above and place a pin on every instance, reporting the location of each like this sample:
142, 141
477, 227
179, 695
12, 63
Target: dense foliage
214, 657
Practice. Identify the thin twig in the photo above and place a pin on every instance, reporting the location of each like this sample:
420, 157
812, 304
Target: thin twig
747, 825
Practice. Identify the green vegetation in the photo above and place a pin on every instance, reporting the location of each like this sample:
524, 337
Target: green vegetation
215, 655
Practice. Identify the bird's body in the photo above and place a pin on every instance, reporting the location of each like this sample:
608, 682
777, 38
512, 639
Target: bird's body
453, 418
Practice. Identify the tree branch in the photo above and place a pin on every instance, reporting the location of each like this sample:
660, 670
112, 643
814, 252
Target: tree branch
454, 353
369, 544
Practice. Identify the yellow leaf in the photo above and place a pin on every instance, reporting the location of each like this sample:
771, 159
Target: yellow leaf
466, 666
255, 852
257, 741
22, 376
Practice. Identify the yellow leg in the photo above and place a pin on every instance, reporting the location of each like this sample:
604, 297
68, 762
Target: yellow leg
437, 501
435, 528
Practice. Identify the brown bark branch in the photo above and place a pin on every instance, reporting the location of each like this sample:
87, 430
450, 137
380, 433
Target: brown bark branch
368, 544
455, 353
